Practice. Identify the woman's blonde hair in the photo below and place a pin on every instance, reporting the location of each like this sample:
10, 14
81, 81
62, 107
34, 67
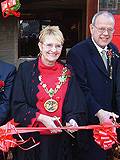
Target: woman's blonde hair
52, 31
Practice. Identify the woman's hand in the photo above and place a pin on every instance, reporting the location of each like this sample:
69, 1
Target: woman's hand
48, 122
72, 123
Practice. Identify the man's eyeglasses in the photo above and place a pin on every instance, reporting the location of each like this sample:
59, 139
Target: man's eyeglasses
50, 46
102, 30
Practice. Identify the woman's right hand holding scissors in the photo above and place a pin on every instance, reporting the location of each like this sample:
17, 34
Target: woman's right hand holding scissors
48, 122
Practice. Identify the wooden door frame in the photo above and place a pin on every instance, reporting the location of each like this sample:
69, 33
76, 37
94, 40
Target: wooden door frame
92, 8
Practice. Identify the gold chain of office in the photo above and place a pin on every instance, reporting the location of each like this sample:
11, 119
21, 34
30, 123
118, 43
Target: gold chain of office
51, 105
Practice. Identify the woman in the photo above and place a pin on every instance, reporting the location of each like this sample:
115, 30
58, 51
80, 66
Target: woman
46, 94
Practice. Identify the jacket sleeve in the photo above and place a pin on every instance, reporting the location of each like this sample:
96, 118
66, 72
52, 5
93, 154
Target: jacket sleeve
74, 104
118, 88
5, 95
79, 68
22, 111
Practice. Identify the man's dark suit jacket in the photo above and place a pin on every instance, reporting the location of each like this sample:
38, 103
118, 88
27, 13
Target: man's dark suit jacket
93, 77
118, 90
7, 74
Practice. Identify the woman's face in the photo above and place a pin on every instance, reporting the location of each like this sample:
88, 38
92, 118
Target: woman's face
50, 50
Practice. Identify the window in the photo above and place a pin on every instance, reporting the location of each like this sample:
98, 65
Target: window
113, 6
28, 38
67, 20
110, 5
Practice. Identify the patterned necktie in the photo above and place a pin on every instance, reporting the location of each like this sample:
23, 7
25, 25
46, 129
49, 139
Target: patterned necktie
104, 58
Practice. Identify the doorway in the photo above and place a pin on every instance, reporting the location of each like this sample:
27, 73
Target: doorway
70, 17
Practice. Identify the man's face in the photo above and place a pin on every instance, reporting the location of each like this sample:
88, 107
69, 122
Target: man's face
102, 31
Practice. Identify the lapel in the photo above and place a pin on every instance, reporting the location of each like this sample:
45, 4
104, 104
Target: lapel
35, 81
1, 78
4, 69
114, 55
96, 58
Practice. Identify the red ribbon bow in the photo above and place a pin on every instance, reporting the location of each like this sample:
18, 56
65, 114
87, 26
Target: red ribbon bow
105, 137
7, 141
6, 9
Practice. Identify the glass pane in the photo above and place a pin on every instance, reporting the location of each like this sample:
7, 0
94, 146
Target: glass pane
28, 39
110, 5
113, 6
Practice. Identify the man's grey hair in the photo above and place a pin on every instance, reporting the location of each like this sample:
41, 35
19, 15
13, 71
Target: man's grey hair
104, 13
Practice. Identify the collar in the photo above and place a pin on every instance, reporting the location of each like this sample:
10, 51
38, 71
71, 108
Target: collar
99, 48
43, 66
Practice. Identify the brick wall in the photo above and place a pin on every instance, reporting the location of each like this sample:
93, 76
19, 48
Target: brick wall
9, 39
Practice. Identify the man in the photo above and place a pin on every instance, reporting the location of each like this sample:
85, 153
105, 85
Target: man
118, 90
7, 74
94, 61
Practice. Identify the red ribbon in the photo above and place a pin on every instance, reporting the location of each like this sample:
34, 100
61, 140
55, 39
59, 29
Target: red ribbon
7, 11
7, 141
104, 135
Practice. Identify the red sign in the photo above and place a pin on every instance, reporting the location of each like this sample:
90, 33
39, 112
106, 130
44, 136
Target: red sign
116, 36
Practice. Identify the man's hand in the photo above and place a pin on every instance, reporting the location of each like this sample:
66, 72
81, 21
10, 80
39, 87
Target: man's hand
106, 116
